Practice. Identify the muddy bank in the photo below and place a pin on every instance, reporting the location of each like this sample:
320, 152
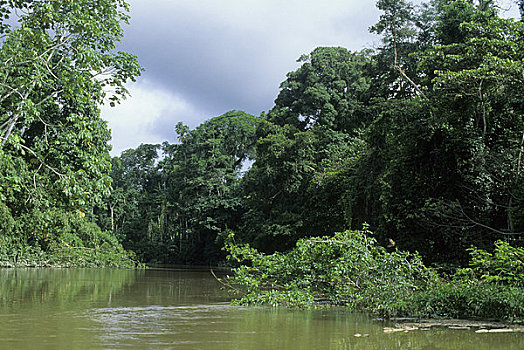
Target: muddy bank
407, 325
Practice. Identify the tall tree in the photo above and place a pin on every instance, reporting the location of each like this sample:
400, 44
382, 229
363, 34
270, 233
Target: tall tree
329, 89
394, 70
203, 179
57, 59
58, 65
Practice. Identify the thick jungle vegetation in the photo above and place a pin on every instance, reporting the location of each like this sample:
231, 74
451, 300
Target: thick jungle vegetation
58, 65
421, 139
387, 180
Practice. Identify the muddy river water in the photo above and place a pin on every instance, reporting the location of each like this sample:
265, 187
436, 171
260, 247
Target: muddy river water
187, 309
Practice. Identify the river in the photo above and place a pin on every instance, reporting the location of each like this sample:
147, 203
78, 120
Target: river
187, 309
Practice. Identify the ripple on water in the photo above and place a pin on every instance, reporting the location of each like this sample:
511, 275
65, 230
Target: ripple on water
163, 325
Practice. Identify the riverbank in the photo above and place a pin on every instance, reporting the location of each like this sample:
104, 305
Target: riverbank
410, 324
58, 238
107, 254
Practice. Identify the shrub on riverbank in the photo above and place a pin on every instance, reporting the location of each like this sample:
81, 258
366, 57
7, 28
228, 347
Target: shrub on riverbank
471, 298
351, 269
59, 238
491, 287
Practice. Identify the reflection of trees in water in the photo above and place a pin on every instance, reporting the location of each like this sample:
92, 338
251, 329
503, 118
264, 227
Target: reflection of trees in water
60, 288
263, 328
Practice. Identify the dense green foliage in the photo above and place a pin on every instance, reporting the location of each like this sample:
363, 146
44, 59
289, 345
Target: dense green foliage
329, 90
422, 139
61, 238
445, 156
58, 64
294, 188
504, 266
351, 269
176, 209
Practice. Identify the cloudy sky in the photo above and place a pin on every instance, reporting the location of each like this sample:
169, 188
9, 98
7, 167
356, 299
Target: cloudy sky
203, 58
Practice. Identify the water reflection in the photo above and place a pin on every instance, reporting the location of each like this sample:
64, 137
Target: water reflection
39, 308
61, 289
180, 309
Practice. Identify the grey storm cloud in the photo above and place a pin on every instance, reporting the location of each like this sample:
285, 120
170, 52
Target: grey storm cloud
221, 55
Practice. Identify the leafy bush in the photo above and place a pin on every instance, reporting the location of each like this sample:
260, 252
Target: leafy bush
464, 298
505, 265
349, 268
60, 238
491, 288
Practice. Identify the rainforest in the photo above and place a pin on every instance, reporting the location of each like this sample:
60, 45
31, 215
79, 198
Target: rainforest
387, 180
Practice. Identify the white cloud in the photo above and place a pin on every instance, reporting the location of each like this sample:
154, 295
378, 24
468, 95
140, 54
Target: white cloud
203, 58
142, 116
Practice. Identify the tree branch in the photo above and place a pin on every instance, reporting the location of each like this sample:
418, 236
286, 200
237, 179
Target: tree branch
397, 67
37, 157
476, 223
